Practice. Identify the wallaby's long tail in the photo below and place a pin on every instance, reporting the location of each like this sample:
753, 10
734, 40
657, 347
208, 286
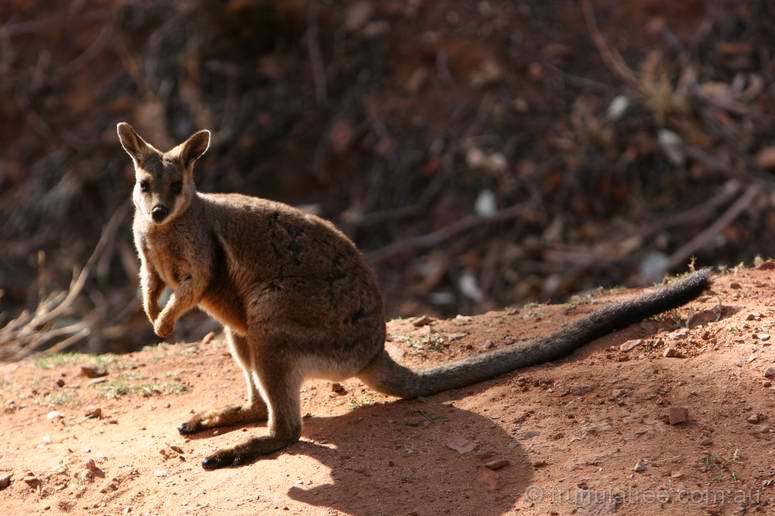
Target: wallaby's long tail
389, 377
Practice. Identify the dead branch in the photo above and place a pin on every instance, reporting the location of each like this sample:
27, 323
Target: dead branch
315, 55
611, 57
28, 332
422, 243
703, 238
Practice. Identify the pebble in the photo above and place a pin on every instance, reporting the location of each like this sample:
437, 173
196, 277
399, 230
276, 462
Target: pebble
677, 415
679, 334
54, 414
93, 412
461, 445
31, 480
763, 337
755, 418
497, 464
735, 285
90, 371
423, 320
89, 465
639, 467
671, 352
769, 372
338, 388
60, 382
631, 344
5, 481
160, 473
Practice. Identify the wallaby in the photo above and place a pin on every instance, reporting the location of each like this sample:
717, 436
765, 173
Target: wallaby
297, 299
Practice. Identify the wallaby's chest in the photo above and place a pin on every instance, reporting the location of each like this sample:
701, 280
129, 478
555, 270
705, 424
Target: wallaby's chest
171, 259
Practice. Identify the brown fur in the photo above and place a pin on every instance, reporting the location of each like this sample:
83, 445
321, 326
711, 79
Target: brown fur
296, 298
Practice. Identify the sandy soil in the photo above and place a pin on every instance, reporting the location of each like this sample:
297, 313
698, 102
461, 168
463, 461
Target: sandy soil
586, 435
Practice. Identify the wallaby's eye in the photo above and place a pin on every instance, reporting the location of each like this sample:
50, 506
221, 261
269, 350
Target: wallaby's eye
145, 186
177, 187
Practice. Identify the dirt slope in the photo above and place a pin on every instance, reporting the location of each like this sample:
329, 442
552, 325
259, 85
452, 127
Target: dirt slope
572, 432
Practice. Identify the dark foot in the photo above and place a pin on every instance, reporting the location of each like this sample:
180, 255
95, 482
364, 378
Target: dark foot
190, 427
245, 453
230, 416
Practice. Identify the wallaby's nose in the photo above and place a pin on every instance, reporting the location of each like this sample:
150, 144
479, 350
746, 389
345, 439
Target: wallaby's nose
159, 213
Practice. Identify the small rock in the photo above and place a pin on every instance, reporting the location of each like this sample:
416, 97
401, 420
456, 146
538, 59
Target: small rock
54, 414
735, 285
639, 467
338, 388
540, 464
769, 373
93, 412
160, 473
93, 371
671, 352
176, 449
31, 480
423, 320
677, 415
461, 445
89, 465
497, 464
677, 474
706, 441
95, 381
763, 336
5, 480
766, 383
761, 429
60, 382
630, 344
461, 320
755, 418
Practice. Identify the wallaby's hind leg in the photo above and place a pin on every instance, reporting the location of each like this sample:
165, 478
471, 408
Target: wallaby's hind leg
253, 410
279, 383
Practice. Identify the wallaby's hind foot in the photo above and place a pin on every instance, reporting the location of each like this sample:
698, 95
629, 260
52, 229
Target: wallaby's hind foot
230, 416
247, 452
280, 388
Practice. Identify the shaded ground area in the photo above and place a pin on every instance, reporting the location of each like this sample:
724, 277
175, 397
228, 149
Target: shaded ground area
587, 435
481, 154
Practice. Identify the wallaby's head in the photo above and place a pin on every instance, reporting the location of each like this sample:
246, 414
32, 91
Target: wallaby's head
164, 181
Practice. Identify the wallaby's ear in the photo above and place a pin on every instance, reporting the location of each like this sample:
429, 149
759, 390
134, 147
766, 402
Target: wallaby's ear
196, 145
133, 144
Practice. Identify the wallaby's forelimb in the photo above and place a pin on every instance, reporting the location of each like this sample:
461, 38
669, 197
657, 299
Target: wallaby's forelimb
151, 287
387, 376
185, 297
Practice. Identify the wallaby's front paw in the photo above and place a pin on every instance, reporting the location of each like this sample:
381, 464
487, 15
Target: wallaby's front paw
163, 328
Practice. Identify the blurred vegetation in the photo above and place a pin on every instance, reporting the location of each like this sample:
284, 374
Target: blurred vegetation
481, 154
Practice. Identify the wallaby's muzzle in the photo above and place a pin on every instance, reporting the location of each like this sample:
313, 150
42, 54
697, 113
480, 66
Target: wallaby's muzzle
159, 213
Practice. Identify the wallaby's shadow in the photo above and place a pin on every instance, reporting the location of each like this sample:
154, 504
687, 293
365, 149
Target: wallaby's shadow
394, 459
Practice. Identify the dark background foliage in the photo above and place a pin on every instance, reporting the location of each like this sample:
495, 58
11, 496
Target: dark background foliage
481, 154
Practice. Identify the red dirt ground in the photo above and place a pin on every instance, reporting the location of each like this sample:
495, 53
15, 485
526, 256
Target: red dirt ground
572, 431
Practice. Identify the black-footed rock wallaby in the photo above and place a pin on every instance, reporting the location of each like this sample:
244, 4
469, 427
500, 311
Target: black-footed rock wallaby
297, 299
